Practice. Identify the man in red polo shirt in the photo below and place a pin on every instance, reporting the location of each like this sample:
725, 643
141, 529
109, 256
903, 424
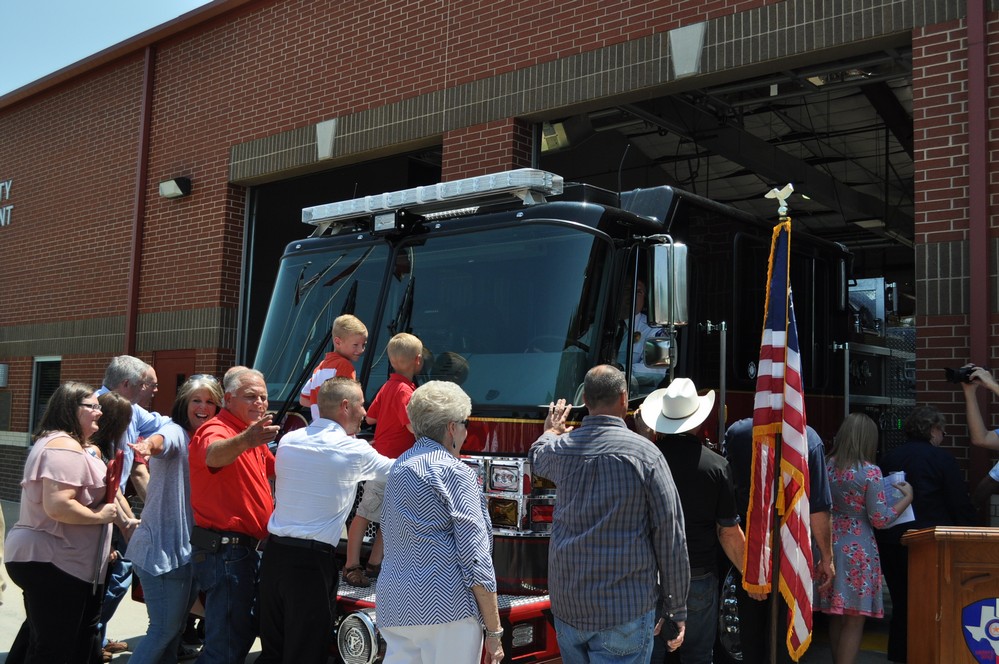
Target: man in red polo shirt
231, 468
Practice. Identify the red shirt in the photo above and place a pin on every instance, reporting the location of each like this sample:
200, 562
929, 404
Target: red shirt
392, 438
237, 497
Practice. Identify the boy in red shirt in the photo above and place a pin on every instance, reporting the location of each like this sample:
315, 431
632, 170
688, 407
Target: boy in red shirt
350, 336
393, 436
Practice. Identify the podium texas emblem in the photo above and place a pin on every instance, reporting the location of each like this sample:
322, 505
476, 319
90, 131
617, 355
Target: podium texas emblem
981, 629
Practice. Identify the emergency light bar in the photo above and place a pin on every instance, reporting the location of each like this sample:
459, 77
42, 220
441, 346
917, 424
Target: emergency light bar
528, 184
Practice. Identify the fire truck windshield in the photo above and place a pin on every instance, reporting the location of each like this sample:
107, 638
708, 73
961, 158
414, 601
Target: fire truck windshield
509, 313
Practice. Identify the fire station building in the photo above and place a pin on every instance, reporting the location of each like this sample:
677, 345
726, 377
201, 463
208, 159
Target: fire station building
147, 192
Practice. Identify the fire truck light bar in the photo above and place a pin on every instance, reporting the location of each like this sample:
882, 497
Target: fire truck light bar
528, 184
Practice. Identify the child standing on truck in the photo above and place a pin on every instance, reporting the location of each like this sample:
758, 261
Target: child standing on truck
350, 336
393, 436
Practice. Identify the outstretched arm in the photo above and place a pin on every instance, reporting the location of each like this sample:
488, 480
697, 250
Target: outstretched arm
223, 452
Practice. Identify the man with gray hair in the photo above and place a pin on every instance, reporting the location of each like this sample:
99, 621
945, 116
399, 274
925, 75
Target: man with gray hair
126, 375
617, 546
231, 467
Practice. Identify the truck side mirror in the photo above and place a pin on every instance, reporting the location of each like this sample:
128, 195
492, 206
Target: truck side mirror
668, 285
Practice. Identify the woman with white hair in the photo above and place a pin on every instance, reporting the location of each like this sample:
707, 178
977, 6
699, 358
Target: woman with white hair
437, 588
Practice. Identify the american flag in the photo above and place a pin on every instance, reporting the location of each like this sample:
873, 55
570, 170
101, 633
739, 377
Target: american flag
780, 409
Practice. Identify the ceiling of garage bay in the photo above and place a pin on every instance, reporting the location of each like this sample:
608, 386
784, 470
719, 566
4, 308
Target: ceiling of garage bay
840, 132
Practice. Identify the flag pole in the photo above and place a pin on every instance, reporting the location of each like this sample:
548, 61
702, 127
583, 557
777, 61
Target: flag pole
775, 555
775, 543
773, 415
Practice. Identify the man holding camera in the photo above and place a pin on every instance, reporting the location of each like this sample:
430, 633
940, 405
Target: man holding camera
971, 378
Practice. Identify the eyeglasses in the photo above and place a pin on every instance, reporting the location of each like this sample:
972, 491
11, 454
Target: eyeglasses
463, 423
95, 407
210, 378
152, 385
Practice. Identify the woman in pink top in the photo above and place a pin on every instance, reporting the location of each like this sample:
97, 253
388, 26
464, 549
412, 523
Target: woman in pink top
57, 551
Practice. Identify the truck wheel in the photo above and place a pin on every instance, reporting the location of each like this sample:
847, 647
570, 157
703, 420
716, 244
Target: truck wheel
728, 647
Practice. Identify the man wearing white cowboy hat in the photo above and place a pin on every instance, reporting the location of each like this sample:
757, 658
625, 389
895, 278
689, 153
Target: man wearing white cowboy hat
617, 545
668, 417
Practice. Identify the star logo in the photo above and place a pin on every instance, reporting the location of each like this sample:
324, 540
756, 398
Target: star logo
981, 629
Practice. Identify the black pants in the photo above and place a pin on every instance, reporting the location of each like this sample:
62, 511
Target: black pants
62, 615
895, 567
298, 589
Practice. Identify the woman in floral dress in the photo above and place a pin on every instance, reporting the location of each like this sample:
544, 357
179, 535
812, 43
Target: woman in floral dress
860, 504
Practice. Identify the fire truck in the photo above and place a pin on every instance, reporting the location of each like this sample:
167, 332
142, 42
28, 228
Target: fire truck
517, 283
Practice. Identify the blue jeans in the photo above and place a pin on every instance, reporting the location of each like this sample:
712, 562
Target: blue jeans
168, 600
701, 626
630, 643
228, 578
119, 579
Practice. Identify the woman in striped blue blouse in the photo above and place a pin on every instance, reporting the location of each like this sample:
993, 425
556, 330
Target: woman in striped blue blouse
437, 588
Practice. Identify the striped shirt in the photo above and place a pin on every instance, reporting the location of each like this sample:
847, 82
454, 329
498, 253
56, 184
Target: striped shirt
334, 364
617, 527
438, 540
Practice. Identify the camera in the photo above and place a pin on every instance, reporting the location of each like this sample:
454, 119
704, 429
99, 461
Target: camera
959, 375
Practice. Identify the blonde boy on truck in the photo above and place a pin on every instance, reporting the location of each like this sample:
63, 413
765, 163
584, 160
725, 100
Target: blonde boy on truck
350, 337
393, 436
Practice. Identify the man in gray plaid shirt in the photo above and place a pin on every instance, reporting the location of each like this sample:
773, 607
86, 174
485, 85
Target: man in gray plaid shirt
618, 544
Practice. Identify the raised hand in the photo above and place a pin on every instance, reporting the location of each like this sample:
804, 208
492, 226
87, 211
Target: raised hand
558, 413
262, 431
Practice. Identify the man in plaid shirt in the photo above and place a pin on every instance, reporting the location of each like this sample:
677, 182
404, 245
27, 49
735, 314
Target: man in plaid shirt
618, 544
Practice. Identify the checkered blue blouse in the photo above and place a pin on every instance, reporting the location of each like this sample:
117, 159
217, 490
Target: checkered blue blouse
438, 540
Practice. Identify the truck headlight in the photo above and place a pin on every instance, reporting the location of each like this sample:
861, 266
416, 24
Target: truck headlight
357, 639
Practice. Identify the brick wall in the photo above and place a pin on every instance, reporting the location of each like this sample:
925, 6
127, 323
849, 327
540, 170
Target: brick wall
72, 151
71, 157
941, 139
486, 148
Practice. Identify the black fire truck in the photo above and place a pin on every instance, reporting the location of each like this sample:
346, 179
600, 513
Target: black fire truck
517, 283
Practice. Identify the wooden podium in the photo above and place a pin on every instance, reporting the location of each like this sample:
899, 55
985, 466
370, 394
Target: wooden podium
952, 568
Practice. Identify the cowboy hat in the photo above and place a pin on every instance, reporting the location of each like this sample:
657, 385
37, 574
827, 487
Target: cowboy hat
676, 408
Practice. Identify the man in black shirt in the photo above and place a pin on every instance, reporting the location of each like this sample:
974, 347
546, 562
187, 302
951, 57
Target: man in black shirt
668, 417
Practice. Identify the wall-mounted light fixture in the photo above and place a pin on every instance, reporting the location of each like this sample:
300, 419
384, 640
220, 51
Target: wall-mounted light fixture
175, 188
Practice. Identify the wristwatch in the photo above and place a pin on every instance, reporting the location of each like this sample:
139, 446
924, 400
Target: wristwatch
493, 635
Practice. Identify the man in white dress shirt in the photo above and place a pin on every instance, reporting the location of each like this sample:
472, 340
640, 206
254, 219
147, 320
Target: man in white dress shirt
316, 474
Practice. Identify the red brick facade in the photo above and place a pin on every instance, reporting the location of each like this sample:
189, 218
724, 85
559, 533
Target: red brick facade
489, 148
943, 221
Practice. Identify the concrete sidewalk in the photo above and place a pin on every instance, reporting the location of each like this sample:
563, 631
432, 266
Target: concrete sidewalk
130, 621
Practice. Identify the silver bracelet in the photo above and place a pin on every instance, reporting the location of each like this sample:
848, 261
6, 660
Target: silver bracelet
493, 635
